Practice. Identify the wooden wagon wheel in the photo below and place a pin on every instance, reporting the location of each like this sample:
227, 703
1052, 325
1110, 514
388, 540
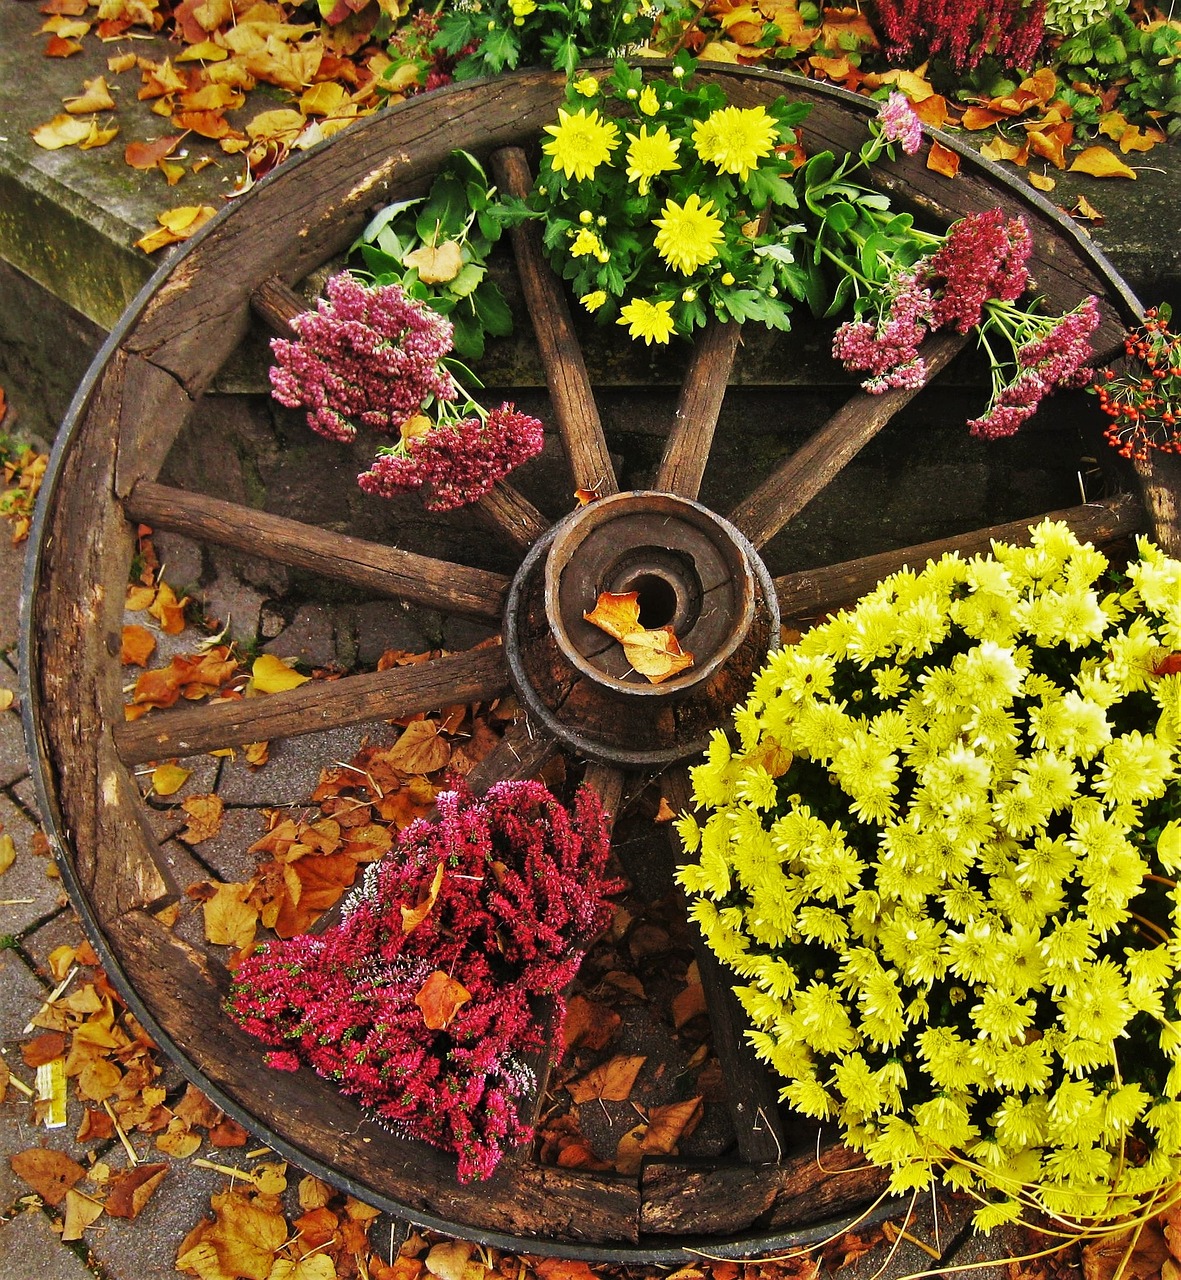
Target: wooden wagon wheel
691, 566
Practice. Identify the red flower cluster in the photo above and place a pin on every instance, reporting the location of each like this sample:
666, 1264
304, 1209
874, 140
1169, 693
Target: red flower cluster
519, 890
963, 31
982, 258
366, 354
888, 350
458, 462
1144, 404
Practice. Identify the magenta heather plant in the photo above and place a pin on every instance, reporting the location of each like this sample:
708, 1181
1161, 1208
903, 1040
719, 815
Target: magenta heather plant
963, 31
375, 357
521, 891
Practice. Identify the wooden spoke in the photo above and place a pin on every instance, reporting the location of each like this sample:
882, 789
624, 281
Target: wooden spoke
789, 489
687, 450
565, 370
606, 781
438, 584
811, 590
520, 754
752, 1094
511, 514
477, 675
506, 510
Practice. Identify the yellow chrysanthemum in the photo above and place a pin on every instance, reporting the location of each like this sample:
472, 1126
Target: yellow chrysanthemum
584, 243
735, 139
649, 103
580, 142
649, 155
593, 301
688, 234
648, 320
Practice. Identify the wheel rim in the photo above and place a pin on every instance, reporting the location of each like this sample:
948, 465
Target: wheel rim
108, 863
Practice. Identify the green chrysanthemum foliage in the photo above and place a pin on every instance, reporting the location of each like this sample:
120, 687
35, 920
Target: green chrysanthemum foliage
939, 851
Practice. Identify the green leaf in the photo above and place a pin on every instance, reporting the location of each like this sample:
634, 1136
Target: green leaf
444, 214
493, 311
840, 216
840, 297
456, 31
467, 280
766, 187
818, 169
500, 49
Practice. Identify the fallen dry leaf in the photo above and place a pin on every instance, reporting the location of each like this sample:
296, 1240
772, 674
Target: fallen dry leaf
942, 160
611, 1080
440, 998
229, 919
656, 654
81, 1212
175, 225
147, 155
589, 1024
412, 917
96, 97
138, 645
167, 779
204, 818
7, 852
1101, 163
420, 749
61, 131
50, 1173
436, 264
272, 675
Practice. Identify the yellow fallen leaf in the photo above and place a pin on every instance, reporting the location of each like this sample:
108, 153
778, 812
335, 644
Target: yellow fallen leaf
323, 99
229, 919
420, 749
272, 675
172, 172
943, 160
7, 698
62, 131
438, 263
81, 1211
98, 137
120, 62
187, 219
1083, 208
168, 610
66, 28
1042, 181
167, 779
1002, 149
205, 51
1101, 163
97, 97
139, 598
7, 853
280, 124
412, 917
655, 654
611, 1080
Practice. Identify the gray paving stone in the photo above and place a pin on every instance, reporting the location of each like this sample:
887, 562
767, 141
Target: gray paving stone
379, 625
62, 930
26, 793
23, 995
19, 1133
181, 562
202, 779
226, 852
309, 636
291, 774
28, 892
31, 1250
14, 763
12, 568
234, 603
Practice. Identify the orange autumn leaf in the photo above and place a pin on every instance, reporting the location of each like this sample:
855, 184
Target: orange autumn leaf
942, 160
1051, 142
1042, 181
980, 118
175, 225
313, 885
611, 1080
1134, 139
589, 1024
1083, 208
229, 919
50, 1173
440, 998
412, 917
656, 654
1101, 163
168, 610
147, 155
138, 645
81, 1211
207, 124
204, 818
1002, 149
931, 110
61, 47
420, 749
667, 1125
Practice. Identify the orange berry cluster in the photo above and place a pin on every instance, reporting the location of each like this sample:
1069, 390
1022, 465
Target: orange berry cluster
1144, 403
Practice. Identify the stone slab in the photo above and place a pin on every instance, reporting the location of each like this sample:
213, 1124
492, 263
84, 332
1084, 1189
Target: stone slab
14, 764
30, 1250
30, 890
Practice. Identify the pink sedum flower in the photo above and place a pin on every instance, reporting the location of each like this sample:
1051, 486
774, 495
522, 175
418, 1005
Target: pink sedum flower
898, 123
982, 258
457, 462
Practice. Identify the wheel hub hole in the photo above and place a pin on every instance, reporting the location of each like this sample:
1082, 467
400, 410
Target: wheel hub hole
657, 598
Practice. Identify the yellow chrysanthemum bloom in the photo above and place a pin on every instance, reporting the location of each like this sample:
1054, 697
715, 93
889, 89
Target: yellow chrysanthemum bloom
649, 103
593, 301
522, 8
651, 321
649, 155
735, 139
579, 143
688, 235
588, 86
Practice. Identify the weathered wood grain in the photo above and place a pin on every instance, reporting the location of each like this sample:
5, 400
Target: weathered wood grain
830, 448
810, 590
571, 394
154, 407
510, 513
474, 676
686, 452
437, 584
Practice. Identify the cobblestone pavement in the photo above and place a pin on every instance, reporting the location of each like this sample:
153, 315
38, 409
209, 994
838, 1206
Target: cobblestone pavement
36, 916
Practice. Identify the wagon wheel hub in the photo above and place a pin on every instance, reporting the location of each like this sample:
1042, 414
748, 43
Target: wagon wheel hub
690, 570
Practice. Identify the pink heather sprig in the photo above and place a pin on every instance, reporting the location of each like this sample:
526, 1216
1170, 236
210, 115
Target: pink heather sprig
982, 258
458, 461
963, 31
898, 123
366, 355
523, 891
1052, 353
